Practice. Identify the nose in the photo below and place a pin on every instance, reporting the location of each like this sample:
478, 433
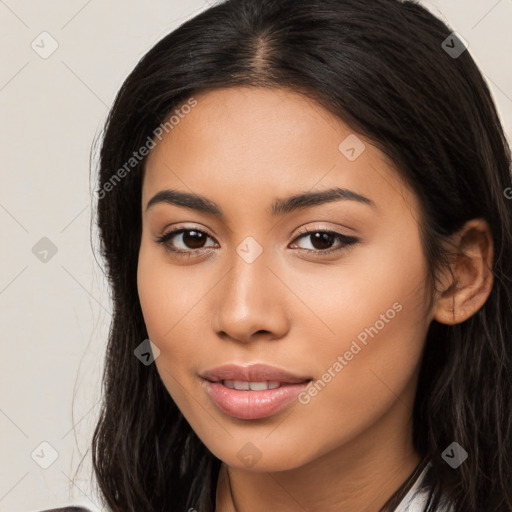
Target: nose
251, 303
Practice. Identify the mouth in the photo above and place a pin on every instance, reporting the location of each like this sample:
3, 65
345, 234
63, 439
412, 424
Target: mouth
252, 392
242, 377
242, 385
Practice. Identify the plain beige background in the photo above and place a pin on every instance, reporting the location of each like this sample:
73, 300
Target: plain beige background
54, 304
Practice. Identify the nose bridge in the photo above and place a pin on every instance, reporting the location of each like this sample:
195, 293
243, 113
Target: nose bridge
248, 278
249, 298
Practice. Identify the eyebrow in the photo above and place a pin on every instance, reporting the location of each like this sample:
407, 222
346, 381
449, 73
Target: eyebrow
296, 202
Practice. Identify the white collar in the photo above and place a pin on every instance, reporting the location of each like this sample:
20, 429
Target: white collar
415, 500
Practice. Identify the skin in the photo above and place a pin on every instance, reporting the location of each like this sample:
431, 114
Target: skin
350, 447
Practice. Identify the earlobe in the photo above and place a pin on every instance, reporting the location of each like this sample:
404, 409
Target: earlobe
468, 281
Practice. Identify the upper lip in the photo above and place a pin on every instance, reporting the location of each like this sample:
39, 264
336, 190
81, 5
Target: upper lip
252, 373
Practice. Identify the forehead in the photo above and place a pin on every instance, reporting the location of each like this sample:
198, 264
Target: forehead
255, 143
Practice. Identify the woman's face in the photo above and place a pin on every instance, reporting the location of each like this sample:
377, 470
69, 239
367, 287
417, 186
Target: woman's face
248, 287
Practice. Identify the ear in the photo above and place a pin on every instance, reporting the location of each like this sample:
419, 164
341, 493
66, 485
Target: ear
467, 282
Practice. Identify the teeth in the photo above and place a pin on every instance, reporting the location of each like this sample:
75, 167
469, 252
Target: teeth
253, 386
258, 386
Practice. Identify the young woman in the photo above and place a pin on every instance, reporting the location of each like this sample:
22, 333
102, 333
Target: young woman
305, 206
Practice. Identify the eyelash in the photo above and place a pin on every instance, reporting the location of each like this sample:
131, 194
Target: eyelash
345, 240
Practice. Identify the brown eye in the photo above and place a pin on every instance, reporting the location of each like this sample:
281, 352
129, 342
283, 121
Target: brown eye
194, 239
322, 241
184, 240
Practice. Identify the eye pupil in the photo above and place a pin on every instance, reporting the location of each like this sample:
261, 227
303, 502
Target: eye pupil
325, 240
194, 239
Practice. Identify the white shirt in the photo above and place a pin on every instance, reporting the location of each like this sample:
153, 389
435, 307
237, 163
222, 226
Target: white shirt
415, 501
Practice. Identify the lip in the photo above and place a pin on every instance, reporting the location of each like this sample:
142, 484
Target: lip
252, 373
248, 404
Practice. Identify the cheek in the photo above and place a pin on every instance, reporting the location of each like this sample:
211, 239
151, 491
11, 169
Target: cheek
377, 310
377, 293
164, 310
170, 298
154, 295
361, 382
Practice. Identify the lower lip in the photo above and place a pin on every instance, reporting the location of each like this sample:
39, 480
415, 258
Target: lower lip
252, 405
